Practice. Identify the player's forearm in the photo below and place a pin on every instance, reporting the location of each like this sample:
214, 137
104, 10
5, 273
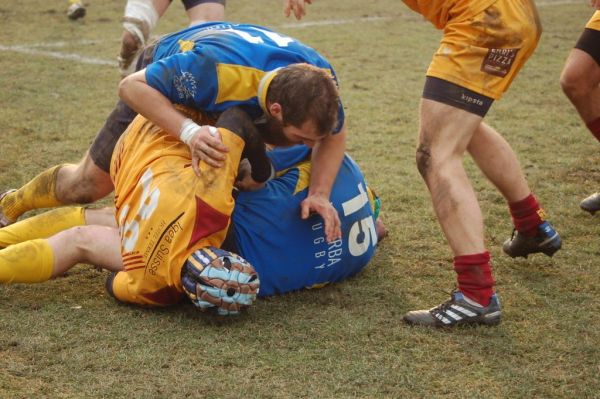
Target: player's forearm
327, 157
150, 103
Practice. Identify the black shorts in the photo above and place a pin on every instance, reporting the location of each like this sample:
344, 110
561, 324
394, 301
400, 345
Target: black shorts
589, 41
187, 4
457, 96
116, 123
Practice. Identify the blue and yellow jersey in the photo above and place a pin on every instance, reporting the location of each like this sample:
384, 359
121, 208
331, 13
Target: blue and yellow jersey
214, 66
290, 253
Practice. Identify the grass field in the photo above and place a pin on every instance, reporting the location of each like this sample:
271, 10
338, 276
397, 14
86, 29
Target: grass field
68, 339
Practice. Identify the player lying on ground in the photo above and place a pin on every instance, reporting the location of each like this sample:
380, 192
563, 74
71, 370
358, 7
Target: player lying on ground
161, 207
267, 73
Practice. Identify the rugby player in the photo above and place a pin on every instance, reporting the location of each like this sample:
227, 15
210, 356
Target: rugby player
484, 45
211, 67
580, 80
164, 213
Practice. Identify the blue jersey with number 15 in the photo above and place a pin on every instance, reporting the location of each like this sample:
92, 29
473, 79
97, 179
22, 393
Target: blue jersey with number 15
213, 66
290, 253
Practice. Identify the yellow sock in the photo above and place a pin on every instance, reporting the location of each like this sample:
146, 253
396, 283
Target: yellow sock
40, 192
43, 225
27, 262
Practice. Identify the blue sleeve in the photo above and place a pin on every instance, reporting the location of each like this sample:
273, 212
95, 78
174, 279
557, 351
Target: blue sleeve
185, 78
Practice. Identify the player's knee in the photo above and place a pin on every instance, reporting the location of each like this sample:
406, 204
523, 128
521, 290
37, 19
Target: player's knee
573, 84
423, 158
82, 238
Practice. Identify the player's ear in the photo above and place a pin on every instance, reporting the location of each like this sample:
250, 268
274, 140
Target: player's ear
275, 110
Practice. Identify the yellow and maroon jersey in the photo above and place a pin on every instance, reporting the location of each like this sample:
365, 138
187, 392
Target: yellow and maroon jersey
439, 12
164, 211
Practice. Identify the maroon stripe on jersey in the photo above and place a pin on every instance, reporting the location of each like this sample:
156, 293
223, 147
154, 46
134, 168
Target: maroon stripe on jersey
134, 267
208, 221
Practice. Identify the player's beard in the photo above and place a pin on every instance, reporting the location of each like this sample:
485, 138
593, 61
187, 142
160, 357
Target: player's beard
271, 130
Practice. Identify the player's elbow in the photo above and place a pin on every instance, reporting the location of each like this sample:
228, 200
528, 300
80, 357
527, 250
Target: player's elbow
123, 88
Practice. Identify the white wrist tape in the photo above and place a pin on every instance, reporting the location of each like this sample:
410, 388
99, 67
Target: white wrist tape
189, 130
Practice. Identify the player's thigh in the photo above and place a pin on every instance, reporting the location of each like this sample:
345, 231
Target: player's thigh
105, 141
582, 68
484, 52
445, 130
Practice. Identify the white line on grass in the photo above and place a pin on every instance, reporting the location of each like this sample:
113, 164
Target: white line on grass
55, 54
32, 48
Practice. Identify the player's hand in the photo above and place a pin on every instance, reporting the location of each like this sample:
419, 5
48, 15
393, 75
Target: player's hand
321, 205
244, 180
298, 7
206, 145
248, 184
595, 4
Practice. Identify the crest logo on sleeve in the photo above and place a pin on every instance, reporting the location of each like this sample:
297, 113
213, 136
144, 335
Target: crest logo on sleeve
185, 85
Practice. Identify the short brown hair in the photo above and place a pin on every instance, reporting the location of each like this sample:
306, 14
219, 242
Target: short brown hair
306, 92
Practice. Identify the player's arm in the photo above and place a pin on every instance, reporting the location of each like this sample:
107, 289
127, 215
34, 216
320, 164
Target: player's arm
595, 4
298, 7
327, 156
204, 143
258, 169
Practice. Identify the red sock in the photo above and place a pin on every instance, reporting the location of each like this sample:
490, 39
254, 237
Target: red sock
594, 127
527, 215
474, 275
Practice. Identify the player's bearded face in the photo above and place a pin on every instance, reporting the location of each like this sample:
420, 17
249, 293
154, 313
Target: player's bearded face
274, 132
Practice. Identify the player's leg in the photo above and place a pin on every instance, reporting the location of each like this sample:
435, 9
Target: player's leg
82, 183
444, 135
95, 245
39, 260
43, 225
580, 81
140, 19
498, 162
468, 74
581, 75
200, 11
65, 184
53, 222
